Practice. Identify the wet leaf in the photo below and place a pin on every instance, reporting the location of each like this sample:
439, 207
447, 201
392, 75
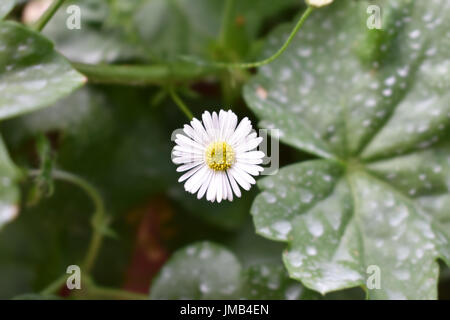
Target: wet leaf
5, 7
99, 39
376, 110
9, 191
33, 75
209, 271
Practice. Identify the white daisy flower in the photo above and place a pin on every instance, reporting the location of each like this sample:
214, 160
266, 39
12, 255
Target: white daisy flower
218, 155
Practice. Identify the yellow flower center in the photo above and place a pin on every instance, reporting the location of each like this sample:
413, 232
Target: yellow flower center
219, 156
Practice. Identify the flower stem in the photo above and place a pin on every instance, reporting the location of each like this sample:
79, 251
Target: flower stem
226, 22
256, 64
98, 218
247, 65
183, 107
164, 74
90, 290
161, 74
47, 15
55, 285
99, 221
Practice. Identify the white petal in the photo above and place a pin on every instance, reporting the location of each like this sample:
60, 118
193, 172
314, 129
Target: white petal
237, 132
200, 129
243, 140
176, 153
223, 122
188, 166
219, 186
186, 159
250, 136
231, 125
249, 168
244, 175
192, 134
227, 187
189, 173
242, 130
205, 184
249, 145
187, 142
250, 155
234, 185
216, 125
188, 150
224, 186
242, 182
249, 161
207, 122
211, 194
194, 182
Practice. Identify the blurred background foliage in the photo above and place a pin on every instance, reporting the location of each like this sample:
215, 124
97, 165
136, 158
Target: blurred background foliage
118, 138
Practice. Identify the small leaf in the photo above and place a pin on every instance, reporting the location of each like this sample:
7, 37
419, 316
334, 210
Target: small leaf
32, 75
43, 183
9, 192
376, 109
209, 271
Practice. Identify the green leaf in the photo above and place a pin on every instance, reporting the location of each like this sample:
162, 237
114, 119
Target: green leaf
192, 27
119, 122
206, 270
178, 26
115, 122
149, 30
100, 39
9, 191
200, 271
5, 7
376, 109
271, 282
89, 124
252, 249
32, 75
70, 115
37, 248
